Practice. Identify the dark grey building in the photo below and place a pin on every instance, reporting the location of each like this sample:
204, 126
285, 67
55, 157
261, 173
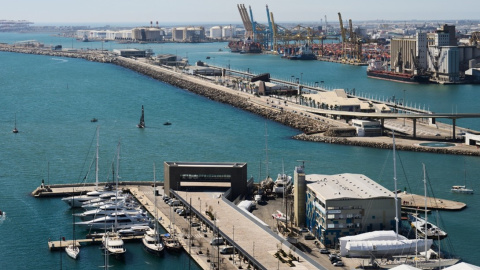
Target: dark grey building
206, 175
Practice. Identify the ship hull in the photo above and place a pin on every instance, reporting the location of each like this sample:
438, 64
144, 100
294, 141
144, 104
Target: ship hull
396, 77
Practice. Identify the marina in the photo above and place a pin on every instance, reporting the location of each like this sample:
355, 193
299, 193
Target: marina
193, 242
276, 134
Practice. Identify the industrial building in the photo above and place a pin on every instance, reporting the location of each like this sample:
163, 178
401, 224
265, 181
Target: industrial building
222, 32
188, 34
346, 204
206, 175
130, 52
436, 54
151, 34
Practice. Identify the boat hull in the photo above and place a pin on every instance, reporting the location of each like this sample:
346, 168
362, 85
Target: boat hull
398, 77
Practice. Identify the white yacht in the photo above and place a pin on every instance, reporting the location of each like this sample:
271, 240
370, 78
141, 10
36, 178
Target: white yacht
462, 189
109, 209
153, 242
113, 243
117, 220
282, 184
422, 226
72, 251
171, 243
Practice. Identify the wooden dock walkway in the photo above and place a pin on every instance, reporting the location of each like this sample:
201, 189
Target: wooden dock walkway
61, 244
417, 201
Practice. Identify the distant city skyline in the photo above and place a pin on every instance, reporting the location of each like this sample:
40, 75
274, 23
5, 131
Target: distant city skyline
56, 12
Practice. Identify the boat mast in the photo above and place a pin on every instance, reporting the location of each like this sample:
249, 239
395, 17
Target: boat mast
155, 203
116, 185
266, 151
96, 160
395, 181
426, 217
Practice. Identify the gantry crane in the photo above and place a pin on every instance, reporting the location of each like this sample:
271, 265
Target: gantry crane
344, 38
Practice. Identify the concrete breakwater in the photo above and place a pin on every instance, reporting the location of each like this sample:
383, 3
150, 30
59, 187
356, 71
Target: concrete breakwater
225, 95
387, 143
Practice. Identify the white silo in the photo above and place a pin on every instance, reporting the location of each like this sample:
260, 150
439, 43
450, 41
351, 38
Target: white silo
228, 31
216, 32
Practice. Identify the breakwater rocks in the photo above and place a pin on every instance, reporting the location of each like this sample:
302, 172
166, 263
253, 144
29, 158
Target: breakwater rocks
222, 94
379, 142
90, 55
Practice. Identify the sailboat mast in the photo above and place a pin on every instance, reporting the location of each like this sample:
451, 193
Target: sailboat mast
266, 151
155, 203
96, 160
426, 217
116, 184
395, 186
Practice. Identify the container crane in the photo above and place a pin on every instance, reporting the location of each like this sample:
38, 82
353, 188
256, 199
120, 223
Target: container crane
343, 34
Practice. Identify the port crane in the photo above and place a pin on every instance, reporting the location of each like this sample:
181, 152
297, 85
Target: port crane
253, 30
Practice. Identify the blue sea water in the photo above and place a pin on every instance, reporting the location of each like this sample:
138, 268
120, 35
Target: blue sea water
53, 100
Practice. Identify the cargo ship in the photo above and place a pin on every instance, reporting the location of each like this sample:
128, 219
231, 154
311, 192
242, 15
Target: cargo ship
303, 53
245, 46
378, 70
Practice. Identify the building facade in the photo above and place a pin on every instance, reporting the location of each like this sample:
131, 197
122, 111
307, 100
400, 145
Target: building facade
210, 175
347, 204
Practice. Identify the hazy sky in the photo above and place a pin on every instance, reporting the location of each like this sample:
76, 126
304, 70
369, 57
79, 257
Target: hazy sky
225, 11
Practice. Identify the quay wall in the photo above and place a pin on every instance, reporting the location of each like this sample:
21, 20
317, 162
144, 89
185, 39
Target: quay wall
374, 143
227, 96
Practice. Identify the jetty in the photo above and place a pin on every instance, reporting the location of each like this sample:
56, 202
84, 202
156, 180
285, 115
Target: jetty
314, 127
414, 201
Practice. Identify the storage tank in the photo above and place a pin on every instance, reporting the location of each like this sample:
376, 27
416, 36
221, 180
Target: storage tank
216, 32
228, 31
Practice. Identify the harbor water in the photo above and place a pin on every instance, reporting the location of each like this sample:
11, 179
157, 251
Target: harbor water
53, 100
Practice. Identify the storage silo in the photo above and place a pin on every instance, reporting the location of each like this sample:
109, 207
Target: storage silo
228, 31
216, 32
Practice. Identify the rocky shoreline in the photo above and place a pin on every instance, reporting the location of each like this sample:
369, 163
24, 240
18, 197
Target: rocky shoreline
313, 130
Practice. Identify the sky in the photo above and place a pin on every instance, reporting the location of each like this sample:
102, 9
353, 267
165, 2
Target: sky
170, 12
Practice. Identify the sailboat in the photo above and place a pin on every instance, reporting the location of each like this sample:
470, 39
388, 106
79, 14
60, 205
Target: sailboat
107, 191
462, 189
111, 240
142, 120
383, 243
3, 215
431, 259
151, 240
15, 130
73, 250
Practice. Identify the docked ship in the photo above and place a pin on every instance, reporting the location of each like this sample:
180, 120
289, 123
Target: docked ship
245, 46
304, 52
378, 70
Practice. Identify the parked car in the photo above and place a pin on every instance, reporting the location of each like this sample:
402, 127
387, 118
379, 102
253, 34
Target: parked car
302, 230
174, 203
309, 237
184, 212
338, 263
217, 241
324, 251
195, 224
226, 250
334, 257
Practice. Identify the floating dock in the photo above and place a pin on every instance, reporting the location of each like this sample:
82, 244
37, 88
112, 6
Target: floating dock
414, 201
61, 244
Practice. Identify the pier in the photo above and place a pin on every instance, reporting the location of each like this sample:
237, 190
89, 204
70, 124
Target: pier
212, 215
311, 122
